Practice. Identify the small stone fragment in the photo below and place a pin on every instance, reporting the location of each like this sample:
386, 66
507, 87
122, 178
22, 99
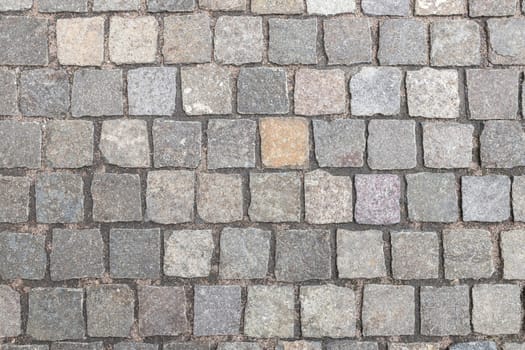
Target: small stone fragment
152, 91
445, 311
496, 308
162, 311
284, 142
231, 143
116, 197
88, 99
447, 145
220, 198
176, 143
376, 91
217, 310
188, 253
292, 41
110, 310
348, 40
124, 142
392, 144
187, 39
238, 40
262, 90
133, 40
377, 199
485, 198
206, 89
415, 255
22, 255
14, 199
403, 42
360, 254
455, 43
80, 41
320, 92
59, 198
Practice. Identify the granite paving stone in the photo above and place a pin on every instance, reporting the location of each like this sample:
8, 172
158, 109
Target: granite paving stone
447, 145
124, 142
496, 8
176, 143
24, 41
277, 6
415, 255
262, 91
188, 253
220, 197
8, 92
133, 40
11, 319
87, 99
223, 5
376, 91
445, 310
217, 310
440, 7
109, 310
392, 144
115, 5
292, 41
377, 199
116, 197
512, 253
20, 144
496, 308
455, 43
44, 92
505, 40
348, 40
320, 92
485, 198
59, 198
171, 5
403, 42
22, 255
62, 5
152, 91
14, 199
360, 254
238, 40
231, 143
162, 310
284, 142
80, 41
69, 143
187, 39
502, 144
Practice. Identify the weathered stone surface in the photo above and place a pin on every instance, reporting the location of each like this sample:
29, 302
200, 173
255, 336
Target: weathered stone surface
506, 40
23, 41
262, 90
22, 255
376, 91
467, 254
11, 319
270, 312
231, 143
299, 345
513, 253
217, 310
476, 345
447, 145
455, 43
502, 144
171, 5
8, 346
152, 91
496, 308
76, 254
162, 311
440, 7
188, 253
239, 346
206, 89
116, 197
445, 310
133, 40
415, 255
116, 5
495, 8
187, 39
328, 311
485, 198
348, 40
68, 143
63, 5
319, 92
321, 7
292, 41
377, 199
8, 92
176, 143
44, 92
70, 345
238, 40
109, 310
188, 346
20, 144
16, 5
88, 99
302, 255
414, 346
59, 198
220, 198
124, 142
402, 42
289, 7
244, 253
284, 142
360, 254
223, 5
129, 345
14, 199
386, 7
518, 198
55, 314
392, 144
509, 346
80, 41
351, 345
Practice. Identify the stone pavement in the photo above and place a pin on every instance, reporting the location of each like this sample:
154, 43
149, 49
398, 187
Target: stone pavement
262, 174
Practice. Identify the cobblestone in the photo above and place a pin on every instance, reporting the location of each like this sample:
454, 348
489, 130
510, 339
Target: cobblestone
187, 39
188, 253
415, 255
59, 198
162, 311
348, 40
176, 143
109, 310
152, 91
293, 41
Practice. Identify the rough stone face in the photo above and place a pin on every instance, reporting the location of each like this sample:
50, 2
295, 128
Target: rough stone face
284, 142
69, 345
116, 197
262, 90
16, 5
62, 5
188, 253
432, 197
171, 5
109, 310
360, 254
319, 92
124, 142
8, 92
348, 40
20, 144
170, 196
392, 144
321, 7
88, 99
386, 7
433, 93
116, 5
134, 253
477, 345
11, 319
302, 255
440, 7
480, 8
14, 199
187, 346
162, 311
447, 145
403, 42
513, 254
69, 143
187, 39
376, 91
388, 310
8, 346
55, 314
176, 143
518, 198
328, 311
485, 198
415, 255
128, 345
502, 144
133, 40
238, 40
231, 143
22, 255
298, 345
497, 308
76, 254
80, 41
328, 199
244, 253
455, 43
508, 346
59, 198
292, 41
445, 311
23, 41
152, 91
467, 254
289, 7
377, 199
270, 312
217, 310
220, 198
275, 197
414, 346
506, 40
239, 346
44, 92
206, 89
351, 345
223, 5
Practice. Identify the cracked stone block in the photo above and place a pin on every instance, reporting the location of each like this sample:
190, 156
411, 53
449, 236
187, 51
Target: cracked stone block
152, 91
440, 7
116, 197
445, 311
133, 40
415, 255
55, 314
455, 43
432, 197
11, 319
170, 196
360, 254
44, 92
187, 39
292, 41
162, 311
377, 199
285, 7
69, 345
513, 253
217, 310
492, 8
352, 345
239, 346
171, 5
20, 144
187, 346
244, 254
506, 40
388, 310
206, 89
275, 197
80, 41
176, 143
23, 41
116, 5
88, 99
328, 199
497, 308
219, 197
475, 345
348, 40
320, 92
129, 345
502, 144
14, 199
299, 345
22, 255
124, 142
376, 90
328, 311
485, 198
270, 312
223, 5
63, 5
59, 198
324, 8
467, 254
392, 144
8, 92
262, 90
447, 145
433, 93
16, 5
284, 142
386, 7
302, 255
188, 253
83, 247
403, 42
518, 198
231, 143
238, 40
134, 253
69, 143
109, 310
